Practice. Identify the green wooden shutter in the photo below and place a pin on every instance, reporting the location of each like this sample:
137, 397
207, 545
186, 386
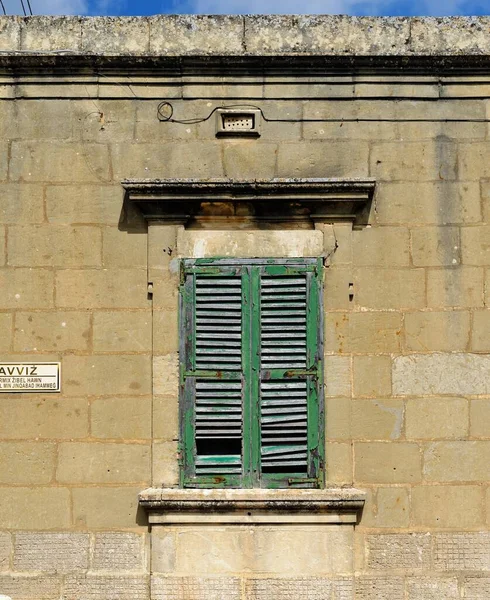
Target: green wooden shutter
252, 373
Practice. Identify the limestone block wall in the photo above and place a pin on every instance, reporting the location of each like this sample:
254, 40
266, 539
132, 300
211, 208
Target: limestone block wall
407, 307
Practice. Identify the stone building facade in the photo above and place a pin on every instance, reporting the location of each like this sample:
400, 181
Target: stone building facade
360, 142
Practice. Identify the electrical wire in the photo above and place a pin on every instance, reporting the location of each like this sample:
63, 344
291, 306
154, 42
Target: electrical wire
165, 112
30, 9
3, 7
23, 8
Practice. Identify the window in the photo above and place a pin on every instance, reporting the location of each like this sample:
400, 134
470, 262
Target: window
251, 373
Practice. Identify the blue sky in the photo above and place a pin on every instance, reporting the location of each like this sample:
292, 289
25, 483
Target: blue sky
351, 7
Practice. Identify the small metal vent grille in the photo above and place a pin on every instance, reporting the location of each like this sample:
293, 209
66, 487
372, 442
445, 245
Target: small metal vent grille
237, 122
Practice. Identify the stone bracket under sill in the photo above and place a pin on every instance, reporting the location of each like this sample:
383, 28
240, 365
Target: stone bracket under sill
256, 506
270, 200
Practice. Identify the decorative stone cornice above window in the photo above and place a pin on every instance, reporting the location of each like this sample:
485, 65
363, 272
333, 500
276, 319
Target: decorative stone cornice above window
254, 506
271, 200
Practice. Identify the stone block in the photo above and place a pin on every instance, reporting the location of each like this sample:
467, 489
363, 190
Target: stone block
370, 131
93, 462
428, 203
106, 508
374, 332
119, 552
337, 288
485, 199
444, 506
42, 417
166, 417
3, 246
389, 288
457, 461
197, 159
441, 34
377, 419
59, 162
434, 418
389, 552
437, 331
480, 417
435, 246
379, 588
381, 247
10, 33
429, 588
27, 463
338, 458
462, 374
338, 418
108, 587
480, 335
249, 244
30, 587
107, 375
165, 290
476, 245
338, 375
82, 204
55, 332
51, 552
165, 332
21, 203
121, 418
165, 459
122, 331
112, 35
372, 376
317, 159
390, 509
162, 245
249, 159
458, 287
306, 588
5, 551
6, 327
26, 288
54, 246
45, 34
476, 588
378, 462
37, 508
124, 249
473, 163
195, 588
4, 159
465, 551
414, 161
163, 546
121, 288
188, 34
166, 375
42, 119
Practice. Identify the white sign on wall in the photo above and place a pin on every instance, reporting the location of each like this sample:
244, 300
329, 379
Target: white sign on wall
30, 377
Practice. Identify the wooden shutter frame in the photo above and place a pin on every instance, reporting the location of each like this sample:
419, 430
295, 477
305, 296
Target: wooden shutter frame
251, 411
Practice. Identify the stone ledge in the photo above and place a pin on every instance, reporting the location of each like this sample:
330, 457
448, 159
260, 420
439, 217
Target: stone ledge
254, 506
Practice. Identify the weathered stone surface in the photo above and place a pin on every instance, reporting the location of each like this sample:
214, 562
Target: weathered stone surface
51, 33
338, 375
6, 322
458, 287
435, 246
338, 459
5, 551
378, 462
88, 375
473, 160
36, 508
77, 204
119, 552
165, 375
443, 506
166, 417
389, 288
420, 374
440, 34
390, 509
432, 589
51, 552
480, 335
248, 159
109, 587
381, 246
10, 33
21, 203
462, 551
55, 332
106, 507
437, 331
27, 463
476, 245
43, 119
195, 588
480, 417
165, 464
476, 588
377, 419
42, 417
165, 331
115, 288
307, 588
121, 418
398, 551
457, 461
372, 376
135, 248
122, 331
30, 587
115, 36
434, 418
379, 588
93, 462
363, 332
26, 288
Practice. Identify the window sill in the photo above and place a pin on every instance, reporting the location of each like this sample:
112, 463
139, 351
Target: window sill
255, 506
